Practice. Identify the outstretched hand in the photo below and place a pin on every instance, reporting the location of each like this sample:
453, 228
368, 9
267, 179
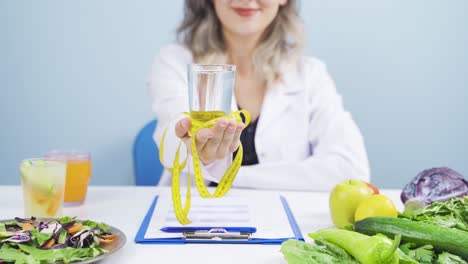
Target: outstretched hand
212, 143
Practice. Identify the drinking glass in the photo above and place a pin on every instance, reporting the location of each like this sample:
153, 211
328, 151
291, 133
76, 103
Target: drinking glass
78, 173
43, 182
210, 88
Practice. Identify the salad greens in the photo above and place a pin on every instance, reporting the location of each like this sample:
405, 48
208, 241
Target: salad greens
452, 213
405, 259
426, 255
104, 227
62, 240
33, 255
297, 252
447, 258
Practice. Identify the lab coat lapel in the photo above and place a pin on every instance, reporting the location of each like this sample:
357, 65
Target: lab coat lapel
274, 103
277, 99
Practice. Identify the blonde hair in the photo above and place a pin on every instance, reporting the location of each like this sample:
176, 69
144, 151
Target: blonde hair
282, 41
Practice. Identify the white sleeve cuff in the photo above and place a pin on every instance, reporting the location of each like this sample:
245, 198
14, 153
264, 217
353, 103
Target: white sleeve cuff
213, 171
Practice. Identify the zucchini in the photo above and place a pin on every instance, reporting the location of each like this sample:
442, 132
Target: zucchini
442, 238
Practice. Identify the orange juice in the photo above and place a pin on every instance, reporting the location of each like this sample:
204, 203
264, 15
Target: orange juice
78, 173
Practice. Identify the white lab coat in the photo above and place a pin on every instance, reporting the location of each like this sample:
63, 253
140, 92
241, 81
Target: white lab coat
305, 140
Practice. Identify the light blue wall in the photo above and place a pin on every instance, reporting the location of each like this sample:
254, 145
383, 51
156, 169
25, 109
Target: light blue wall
72, 75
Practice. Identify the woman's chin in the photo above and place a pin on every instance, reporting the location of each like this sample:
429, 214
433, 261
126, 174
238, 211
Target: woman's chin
246, 30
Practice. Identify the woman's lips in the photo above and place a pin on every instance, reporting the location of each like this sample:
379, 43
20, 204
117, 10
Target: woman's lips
245, 12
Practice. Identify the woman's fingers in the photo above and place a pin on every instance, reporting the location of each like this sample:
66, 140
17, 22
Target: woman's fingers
203, 135
213, 143
224, 146
236, 139
182, 127
211, 147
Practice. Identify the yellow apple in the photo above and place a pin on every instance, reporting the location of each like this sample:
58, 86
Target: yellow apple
345, 198
375, 205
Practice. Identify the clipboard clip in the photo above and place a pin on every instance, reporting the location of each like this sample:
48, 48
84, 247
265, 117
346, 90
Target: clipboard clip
217, 234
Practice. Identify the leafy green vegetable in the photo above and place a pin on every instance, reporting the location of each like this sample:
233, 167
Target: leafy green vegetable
2, 227
104, 227
38, 254
65, 254
297, 252
26, 259
452, 213
4, 235
71, 254
65, 220
12, 224
424, 254
8, 253
62, 237
405, 259
39, 238
447, 258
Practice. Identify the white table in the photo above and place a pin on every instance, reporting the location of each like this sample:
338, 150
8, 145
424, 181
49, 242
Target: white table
125, 207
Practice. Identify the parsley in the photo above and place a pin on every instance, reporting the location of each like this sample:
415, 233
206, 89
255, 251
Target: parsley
447, 258
452, 213
424, 254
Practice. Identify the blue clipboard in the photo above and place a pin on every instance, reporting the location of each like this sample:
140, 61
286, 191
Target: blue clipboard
140, 236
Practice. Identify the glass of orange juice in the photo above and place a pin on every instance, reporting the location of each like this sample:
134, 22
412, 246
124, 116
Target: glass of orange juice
78, 173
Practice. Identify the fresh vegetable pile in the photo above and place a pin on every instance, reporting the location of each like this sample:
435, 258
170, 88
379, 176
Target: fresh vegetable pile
432, 229
419, 233
59, 240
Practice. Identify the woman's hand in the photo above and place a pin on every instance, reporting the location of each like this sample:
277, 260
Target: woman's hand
212, 143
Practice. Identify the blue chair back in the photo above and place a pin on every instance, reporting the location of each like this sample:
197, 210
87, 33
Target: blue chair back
147, 167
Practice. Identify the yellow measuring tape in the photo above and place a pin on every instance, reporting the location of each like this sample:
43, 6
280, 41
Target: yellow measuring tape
199, 121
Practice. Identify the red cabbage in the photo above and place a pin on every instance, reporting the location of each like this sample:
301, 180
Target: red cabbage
13, 229
42, 226
435, 184
19, 238
58, 246
26, 220
52, 227
81, 239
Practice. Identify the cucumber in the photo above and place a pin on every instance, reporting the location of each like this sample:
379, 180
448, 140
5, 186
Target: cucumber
442, 238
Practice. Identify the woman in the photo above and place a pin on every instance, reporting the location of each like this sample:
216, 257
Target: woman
300, 137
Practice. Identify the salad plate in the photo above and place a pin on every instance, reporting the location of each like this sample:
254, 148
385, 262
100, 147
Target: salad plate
112, 248
85, 238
